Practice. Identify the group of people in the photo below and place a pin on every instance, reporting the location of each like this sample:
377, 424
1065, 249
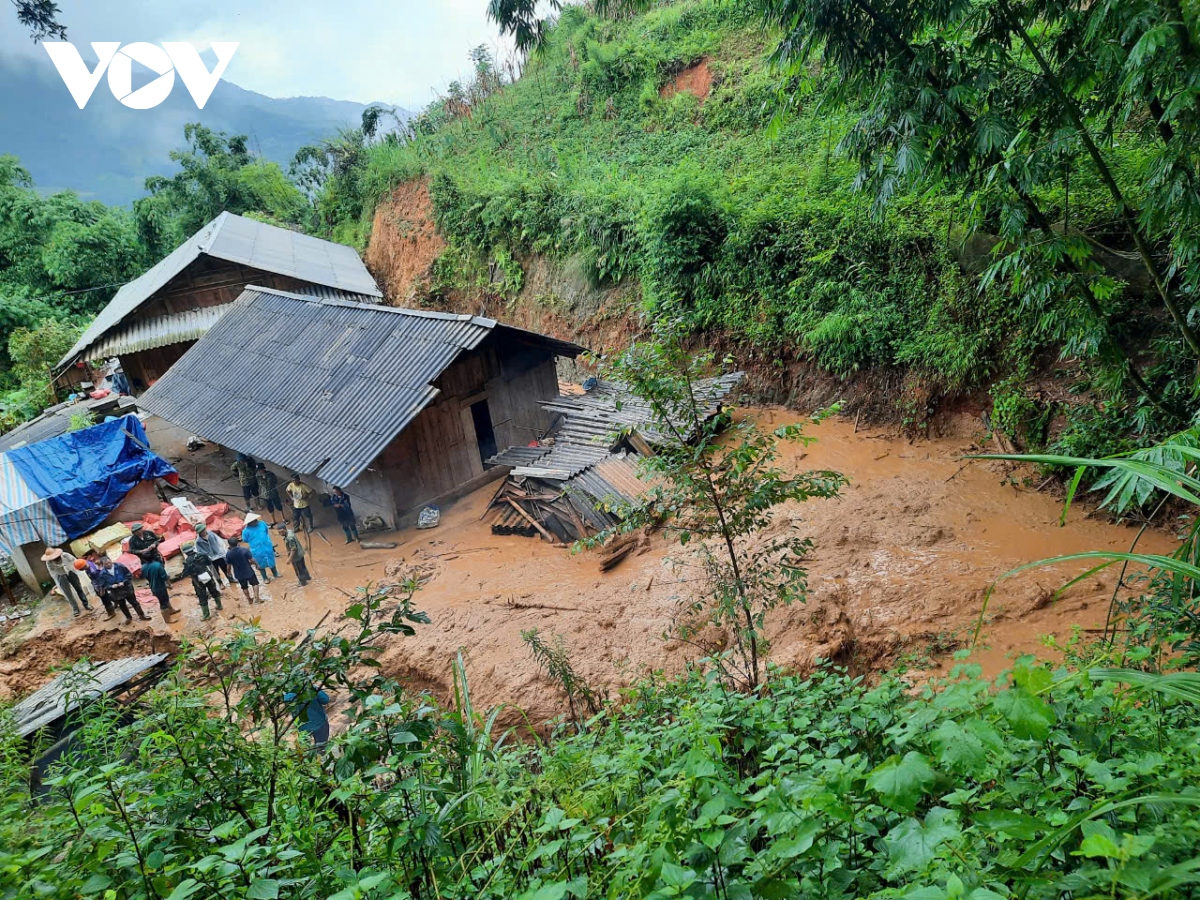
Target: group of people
210, 562
111, 581
260, 488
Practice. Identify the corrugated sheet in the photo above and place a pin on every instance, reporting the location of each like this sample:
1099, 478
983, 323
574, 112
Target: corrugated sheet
519, 456
315, 386
585, 462
83, 682
57, 420
146, 334
238, 240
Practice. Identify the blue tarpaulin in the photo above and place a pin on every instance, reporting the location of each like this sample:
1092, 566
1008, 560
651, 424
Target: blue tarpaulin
84, 475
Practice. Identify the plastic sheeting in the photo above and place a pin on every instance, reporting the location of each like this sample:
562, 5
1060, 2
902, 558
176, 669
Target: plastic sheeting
84, 475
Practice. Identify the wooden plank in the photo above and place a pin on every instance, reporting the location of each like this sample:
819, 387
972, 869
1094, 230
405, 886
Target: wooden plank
524, 515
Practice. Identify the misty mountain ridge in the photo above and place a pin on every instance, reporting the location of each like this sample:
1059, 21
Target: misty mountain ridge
106, 150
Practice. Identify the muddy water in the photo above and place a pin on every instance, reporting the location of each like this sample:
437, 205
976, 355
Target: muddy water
901, 564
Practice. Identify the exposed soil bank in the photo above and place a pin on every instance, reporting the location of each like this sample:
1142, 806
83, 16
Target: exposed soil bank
901, 564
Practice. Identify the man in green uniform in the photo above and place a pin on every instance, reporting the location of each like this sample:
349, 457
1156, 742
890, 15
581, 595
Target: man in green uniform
244, 468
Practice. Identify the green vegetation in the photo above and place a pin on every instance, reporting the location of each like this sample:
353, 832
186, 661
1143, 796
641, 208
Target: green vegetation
1053, 783
835, 199
715, 488
62, 259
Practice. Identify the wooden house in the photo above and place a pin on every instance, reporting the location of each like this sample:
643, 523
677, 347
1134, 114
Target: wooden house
399, 407
153, 320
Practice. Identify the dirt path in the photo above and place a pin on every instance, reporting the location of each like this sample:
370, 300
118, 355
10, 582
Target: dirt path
900, 568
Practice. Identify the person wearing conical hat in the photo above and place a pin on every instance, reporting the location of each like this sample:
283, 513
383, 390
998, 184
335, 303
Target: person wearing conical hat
257, 536
61, 566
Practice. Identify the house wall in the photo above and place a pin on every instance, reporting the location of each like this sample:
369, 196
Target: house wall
438, 454
206, 282
31, 568
370, 495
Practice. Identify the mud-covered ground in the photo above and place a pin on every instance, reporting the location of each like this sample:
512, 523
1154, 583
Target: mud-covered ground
901, 564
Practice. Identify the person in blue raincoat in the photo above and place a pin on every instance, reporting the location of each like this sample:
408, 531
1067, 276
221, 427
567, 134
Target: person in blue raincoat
257, 536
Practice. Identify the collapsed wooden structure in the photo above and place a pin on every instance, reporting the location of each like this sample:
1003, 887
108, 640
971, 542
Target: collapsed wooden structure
578, 480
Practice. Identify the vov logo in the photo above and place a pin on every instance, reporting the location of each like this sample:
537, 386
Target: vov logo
167, 60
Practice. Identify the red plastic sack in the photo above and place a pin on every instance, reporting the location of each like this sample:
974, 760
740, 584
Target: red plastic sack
213, 514
151, 520
170, 521
229, 527
132, 563
170, 547
100, 394
145, 598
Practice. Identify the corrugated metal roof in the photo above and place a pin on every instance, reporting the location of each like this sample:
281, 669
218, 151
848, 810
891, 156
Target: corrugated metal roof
237, 239
315, 386
57, 420
146, 334
584, 462
83, 682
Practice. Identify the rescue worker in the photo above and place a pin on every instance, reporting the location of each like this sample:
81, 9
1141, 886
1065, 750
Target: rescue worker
295, 554
268, 490
244, 468
144, 544
204, 578
210, 545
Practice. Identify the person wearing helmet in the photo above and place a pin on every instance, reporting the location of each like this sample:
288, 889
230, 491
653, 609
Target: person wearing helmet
144, 544
210, 545
204, 578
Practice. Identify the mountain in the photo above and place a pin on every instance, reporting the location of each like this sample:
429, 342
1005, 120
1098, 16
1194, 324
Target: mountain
107, 150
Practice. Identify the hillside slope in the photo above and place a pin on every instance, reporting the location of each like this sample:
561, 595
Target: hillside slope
638, 165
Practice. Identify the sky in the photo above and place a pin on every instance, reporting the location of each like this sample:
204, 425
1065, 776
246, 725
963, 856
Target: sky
402, 52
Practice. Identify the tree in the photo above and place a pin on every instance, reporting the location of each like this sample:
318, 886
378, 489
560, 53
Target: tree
521, 20
73, 253
716, 487
41, 18
217, 173
1015, 105
34, 350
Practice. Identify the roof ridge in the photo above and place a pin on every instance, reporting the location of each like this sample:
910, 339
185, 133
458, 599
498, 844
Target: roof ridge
378, 307
213, 228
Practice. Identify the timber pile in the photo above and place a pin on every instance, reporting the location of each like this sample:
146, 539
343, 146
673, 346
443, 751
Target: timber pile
531, 507
574, 483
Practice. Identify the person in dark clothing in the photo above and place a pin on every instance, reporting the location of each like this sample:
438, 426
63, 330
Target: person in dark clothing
211, 547
115, 584
268, 490
244, 468
241, 561
340, 501
295, 554
197, 567
144, 544
155, 574
313, 720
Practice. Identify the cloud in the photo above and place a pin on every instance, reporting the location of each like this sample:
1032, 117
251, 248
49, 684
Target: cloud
395, 51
